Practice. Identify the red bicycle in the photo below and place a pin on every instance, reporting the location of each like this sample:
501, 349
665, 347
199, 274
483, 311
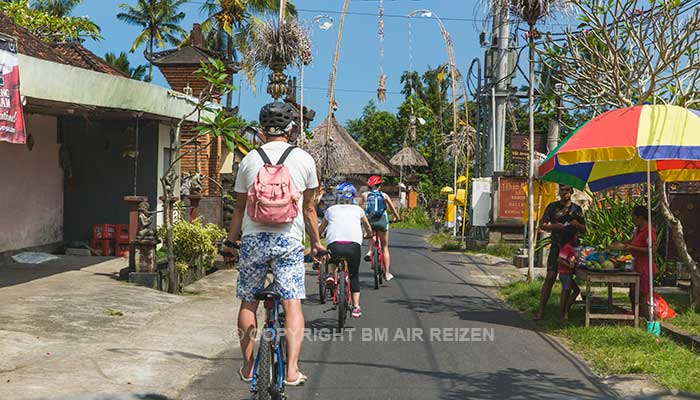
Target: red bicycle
336, 285
377, 262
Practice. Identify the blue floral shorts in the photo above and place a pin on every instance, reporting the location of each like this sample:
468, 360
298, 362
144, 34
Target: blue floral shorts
283, 253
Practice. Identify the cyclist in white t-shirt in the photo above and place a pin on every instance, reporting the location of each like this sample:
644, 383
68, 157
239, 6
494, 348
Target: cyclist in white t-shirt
343, 225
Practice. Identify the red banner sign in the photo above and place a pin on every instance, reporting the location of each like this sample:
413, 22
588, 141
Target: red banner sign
11, 118
511, 198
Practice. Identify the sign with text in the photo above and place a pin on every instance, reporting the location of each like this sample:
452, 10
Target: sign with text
519, 147
511, 198
11, 118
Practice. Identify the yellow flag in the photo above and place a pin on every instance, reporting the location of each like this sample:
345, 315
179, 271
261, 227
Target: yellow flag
450, 211
545, 193
461, 198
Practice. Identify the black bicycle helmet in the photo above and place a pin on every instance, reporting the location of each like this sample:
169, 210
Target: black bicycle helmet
276, 115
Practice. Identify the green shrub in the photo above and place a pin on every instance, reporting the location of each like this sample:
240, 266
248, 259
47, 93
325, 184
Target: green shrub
193, 241
416, 218
609, 219
444, 241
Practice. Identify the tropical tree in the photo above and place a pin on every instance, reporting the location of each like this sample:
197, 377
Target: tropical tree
57, 8
215, 123
160, 22
121, 62
228, 27
632, 52
48, 27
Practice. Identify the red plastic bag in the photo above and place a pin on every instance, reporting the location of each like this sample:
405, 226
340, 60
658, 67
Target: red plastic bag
661, 308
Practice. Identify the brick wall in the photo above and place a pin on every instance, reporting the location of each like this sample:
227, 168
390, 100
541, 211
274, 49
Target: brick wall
206, 160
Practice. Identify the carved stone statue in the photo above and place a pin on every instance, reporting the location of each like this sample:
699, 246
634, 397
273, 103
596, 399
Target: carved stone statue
145, 228
169, 180
196, 183
185, 184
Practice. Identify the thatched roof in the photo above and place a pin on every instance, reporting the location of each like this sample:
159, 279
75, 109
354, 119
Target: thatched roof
395, 171
408, 157
341, 155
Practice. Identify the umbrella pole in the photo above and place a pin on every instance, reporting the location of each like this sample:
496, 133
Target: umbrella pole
652, 325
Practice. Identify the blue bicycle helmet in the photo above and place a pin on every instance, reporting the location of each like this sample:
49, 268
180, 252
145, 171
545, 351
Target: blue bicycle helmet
345, 190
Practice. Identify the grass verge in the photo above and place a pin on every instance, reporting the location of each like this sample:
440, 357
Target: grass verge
611, 349
505, 251
687, 318
444, 241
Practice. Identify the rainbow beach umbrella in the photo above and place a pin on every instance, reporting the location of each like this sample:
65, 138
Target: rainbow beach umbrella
613, 149
629, 145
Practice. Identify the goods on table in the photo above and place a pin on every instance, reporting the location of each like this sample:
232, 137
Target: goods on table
592, 259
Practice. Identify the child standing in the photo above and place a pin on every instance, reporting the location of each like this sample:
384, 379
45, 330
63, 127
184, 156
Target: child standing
565, 268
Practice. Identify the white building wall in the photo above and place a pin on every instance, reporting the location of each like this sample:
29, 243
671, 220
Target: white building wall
31, 198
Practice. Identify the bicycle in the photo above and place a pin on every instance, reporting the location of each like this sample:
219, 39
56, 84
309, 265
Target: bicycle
340, 292
377, 262
322, 289
268, 370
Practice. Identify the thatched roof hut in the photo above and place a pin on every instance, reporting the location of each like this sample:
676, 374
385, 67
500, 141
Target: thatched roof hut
341, 155
408, 157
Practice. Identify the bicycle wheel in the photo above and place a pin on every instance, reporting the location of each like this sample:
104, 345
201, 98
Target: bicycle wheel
342, 300
378, 268
375, 268
277, 387
321, 288
264, 374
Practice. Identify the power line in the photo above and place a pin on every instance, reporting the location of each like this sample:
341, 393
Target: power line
348, 90
367, 14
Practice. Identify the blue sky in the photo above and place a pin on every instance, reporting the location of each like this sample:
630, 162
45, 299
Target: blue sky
358, 68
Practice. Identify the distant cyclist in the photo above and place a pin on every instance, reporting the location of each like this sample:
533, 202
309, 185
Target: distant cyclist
343, 224
376, 202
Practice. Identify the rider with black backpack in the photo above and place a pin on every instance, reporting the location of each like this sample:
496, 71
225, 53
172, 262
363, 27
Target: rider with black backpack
376, 203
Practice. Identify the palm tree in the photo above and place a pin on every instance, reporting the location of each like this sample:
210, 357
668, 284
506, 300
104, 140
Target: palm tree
121, 62
57, 8
234, 19
160, 21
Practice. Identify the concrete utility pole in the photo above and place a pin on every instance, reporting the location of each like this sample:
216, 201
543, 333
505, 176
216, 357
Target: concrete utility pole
500, 79
502, 83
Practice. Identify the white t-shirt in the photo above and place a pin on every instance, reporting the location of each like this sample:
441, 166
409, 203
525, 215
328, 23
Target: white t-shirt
302, 169
344, 223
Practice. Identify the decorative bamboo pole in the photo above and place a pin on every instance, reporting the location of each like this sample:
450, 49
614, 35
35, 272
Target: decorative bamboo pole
331, 101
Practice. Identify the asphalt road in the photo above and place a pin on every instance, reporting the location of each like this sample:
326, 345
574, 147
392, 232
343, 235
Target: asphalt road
431, 333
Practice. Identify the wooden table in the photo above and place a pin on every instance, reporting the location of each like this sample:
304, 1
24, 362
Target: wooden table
609, 279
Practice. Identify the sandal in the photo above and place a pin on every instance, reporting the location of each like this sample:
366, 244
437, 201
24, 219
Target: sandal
243, 378
299, 382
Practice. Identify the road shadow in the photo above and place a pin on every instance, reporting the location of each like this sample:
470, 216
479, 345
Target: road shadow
16, 273
467, 308
509, 383
168, 353
513, 383
419, 233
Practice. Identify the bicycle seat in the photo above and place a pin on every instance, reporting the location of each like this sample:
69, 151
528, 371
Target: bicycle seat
268, 293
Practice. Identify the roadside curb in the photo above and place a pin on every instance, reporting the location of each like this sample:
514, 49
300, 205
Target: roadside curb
692, 342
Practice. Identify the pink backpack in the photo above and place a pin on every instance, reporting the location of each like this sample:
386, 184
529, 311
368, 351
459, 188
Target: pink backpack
272, 200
